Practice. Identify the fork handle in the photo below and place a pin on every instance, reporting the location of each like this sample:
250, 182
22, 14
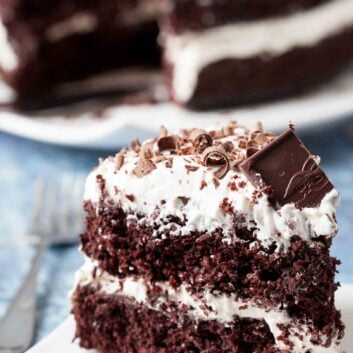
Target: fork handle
17, 326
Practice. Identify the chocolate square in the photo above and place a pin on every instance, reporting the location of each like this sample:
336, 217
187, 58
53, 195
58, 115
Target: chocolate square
288, 168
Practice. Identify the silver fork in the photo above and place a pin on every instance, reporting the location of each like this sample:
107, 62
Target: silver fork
57, 219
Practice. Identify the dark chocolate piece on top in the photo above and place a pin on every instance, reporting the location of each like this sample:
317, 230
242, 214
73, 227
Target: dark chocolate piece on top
288, 168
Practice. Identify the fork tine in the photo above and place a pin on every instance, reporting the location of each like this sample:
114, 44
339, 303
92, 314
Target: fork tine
51, 224
65, 204
39, 192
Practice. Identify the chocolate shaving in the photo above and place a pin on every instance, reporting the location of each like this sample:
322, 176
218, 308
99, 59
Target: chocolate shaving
217, 134
191, 168
143, 167
163, 130
187, 149
257, 127
119, 160
226, 206
203, 184
228, 146
184, 199
216, 155
168, 143
135, 145
159, 159
130, 197
215, 182
169, 163
200, 139
251, 148
261, 138
146, 150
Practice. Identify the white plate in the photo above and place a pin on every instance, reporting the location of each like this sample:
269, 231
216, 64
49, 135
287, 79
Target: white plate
123, 123
60, 340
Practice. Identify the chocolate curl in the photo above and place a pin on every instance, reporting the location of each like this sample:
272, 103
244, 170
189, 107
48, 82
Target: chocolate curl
216, 155
143, 167
200, 139
168, 143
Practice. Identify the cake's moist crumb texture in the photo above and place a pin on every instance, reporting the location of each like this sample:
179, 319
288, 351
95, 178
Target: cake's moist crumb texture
301, 278
105, 322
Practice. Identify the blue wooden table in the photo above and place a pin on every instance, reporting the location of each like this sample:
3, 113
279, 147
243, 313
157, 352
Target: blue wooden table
22, 161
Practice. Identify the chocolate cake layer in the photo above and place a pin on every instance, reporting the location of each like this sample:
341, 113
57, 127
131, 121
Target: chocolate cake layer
232, 82
183, 15
292, 279
108, 321
119, 322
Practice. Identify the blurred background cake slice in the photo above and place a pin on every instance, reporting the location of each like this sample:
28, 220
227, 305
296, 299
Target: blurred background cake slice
48, 46
221, 53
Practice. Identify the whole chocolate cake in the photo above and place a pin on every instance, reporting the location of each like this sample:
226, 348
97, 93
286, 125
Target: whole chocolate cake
210, 241
216, 53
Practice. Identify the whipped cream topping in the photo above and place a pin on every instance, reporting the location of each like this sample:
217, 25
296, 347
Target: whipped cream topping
209, 306
206, 204
8, 57
190, 52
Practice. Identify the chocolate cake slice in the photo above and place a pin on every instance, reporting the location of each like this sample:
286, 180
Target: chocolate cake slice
212, 241
220, 53
48, 46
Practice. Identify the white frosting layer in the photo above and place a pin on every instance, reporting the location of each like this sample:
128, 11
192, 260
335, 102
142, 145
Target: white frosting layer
83, 22
222, 308
8, 57
190, 52
163, 188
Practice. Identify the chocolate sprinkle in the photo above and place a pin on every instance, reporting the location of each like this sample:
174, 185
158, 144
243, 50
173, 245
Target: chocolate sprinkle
143, 167
216, 155
288, 168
